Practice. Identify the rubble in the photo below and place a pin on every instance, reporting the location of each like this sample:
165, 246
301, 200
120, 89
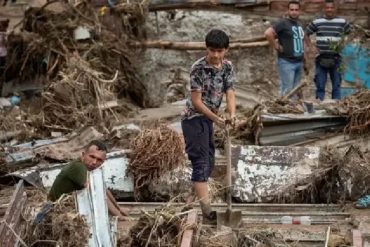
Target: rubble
80, 77
62, 226
163, 227
79, 64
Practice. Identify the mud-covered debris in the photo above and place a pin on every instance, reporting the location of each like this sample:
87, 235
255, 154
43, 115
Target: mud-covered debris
154, 152
61, 226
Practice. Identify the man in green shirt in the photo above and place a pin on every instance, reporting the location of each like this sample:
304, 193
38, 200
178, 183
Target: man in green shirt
74, 176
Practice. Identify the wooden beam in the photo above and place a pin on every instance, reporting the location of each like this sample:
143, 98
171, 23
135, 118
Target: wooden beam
12, 216
191, 223
204, 4
356, 238
174, 45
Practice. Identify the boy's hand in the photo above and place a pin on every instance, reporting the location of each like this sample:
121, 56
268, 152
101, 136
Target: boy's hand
231, 121
220, 122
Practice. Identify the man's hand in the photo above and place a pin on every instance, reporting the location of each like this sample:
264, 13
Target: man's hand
278, 47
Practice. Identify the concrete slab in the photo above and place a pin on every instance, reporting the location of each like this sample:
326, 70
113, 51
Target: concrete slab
263, 173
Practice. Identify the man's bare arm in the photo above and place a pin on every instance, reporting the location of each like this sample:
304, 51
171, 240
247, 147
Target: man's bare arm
230, 102
270, 36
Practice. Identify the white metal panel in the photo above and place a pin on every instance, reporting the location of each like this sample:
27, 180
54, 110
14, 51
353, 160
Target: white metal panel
115, 174
92, 204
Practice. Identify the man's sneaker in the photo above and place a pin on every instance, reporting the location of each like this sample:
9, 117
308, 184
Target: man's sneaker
363, 202
210, 219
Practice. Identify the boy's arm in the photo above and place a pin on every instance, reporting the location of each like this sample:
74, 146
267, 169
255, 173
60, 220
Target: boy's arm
230, 104
230, 94
196, 98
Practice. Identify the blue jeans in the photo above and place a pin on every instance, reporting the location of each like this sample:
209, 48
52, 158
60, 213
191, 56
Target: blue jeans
200, 146
321, 78
290, 75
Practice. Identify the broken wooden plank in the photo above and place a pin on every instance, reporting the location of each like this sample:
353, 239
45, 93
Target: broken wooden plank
250, 207
190, 226
12, 216
204, 4
357, 238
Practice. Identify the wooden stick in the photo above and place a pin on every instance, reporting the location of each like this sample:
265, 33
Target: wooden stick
162, 44
327, 237
294, 90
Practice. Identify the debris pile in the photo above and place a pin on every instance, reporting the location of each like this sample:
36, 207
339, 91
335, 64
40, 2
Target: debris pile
84, 67
163, 227
356, 108
62, 226
318, 187
208, 238
154, 152
280, 106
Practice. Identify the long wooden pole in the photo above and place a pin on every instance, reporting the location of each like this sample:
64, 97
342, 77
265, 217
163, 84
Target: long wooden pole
175, 45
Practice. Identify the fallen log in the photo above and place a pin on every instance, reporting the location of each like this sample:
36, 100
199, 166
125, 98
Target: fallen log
199, 4
163, 44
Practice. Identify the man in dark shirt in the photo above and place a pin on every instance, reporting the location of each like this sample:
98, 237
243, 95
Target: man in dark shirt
290, 47
74, 176
329, 30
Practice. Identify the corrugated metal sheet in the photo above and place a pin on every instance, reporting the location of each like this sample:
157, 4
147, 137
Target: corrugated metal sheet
92, 204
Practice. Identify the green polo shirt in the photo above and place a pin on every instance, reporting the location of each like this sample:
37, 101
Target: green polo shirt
71, 178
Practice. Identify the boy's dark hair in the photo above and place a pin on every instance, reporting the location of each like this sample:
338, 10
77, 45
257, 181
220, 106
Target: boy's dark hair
294, 2
217, 39
99, 144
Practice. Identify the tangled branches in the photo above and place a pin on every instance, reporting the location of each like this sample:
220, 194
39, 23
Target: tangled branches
62, 226
163, 227
78, 98
283, 106
76, 89
357, 109
155, 151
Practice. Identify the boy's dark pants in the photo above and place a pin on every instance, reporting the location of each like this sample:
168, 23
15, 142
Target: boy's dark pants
200, 147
